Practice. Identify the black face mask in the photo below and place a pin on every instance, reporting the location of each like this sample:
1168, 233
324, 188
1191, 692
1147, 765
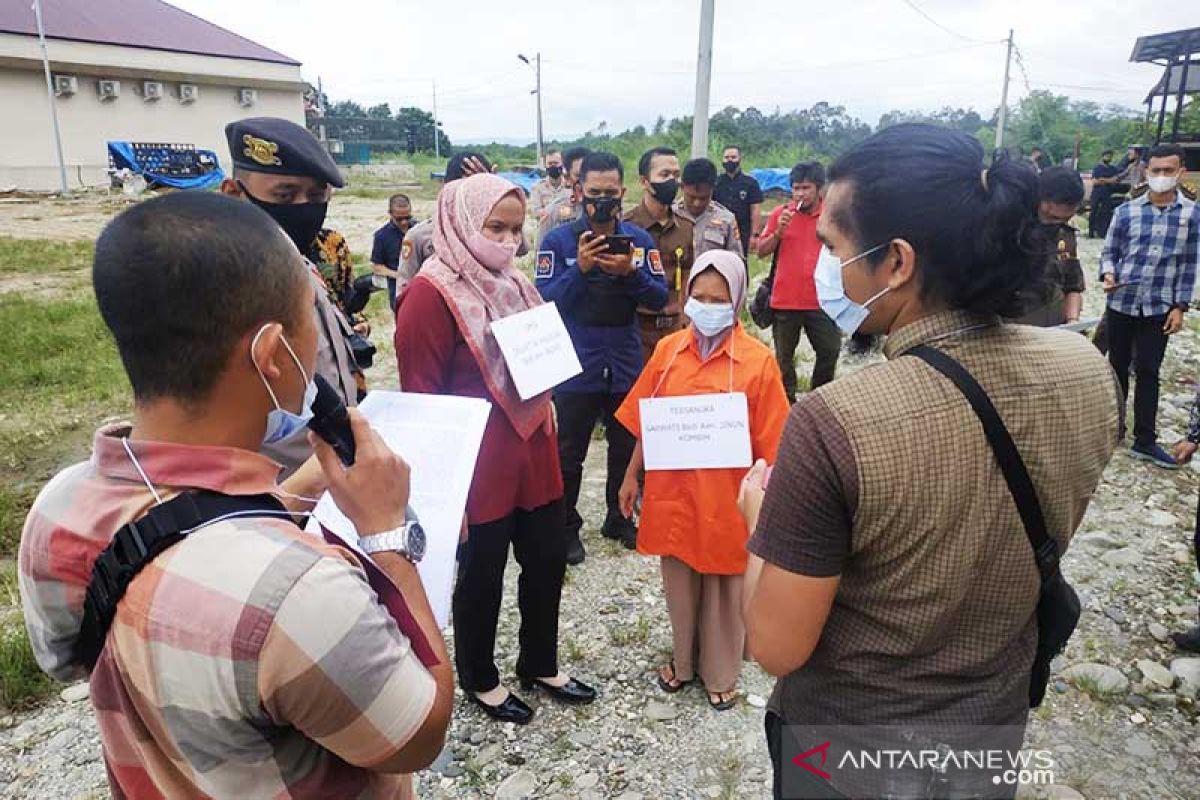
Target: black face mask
732, 166
300, 221
602, 209
554, 172
665, 191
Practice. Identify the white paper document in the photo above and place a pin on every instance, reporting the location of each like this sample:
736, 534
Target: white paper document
537, 349
439, 436
700, 431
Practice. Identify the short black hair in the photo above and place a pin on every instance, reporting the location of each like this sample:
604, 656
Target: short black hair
454, 167
975, 232
180, 279
1166, 150
732, 147
601, 162
1108, 152
808, 172
1060, 185
398, 200
699, 172
648, 156
573, 155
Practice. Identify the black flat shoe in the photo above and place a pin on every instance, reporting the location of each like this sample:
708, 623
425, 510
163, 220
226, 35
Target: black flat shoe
1188, 640
575, 552
513, 709
572, 691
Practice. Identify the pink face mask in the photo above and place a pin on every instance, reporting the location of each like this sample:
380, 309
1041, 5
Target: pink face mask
491, 254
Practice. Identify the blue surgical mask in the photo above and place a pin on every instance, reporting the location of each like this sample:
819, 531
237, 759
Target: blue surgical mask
710, 318
831, 295
281, 423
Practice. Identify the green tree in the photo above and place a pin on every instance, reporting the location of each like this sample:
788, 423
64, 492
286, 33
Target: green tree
381, 111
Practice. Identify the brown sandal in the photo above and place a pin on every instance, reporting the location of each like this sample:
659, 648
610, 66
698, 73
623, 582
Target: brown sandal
673, 684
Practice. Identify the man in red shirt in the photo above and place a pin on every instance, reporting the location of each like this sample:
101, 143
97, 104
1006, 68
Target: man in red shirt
792, 229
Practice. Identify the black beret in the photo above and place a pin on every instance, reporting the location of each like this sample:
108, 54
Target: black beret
279, 147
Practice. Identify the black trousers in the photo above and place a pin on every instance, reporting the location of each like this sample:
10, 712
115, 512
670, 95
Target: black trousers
824, 336
537, 543
1100, 216
1145, 334
577, 416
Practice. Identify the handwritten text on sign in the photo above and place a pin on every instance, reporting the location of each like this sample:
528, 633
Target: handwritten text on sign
702, 431
537, 349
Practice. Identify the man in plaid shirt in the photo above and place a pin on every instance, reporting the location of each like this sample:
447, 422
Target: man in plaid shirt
251, 659
1149, 266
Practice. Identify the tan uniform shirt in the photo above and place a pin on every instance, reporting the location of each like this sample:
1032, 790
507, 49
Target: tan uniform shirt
885, 478
714, 229
544, 193
561, 211
674, 239
415, 251
335, 362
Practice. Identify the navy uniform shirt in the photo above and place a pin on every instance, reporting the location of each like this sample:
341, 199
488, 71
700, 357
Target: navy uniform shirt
386, 248
600, 309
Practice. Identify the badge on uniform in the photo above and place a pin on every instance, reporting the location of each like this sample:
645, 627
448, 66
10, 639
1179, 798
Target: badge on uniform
405, 251
656, 264
639, 257
545, 264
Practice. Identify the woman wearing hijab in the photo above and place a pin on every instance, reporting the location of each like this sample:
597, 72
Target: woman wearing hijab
689, 517
444, 345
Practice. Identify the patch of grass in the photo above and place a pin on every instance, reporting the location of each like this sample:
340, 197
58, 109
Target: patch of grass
59, 376
22, 681
624, 636
43, 255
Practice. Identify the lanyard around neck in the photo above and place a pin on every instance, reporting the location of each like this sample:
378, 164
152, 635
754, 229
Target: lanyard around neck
683, 347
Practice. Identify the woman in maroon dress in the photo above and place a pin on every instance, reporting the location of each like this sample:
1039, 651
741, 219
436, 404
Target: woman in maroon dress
444, 345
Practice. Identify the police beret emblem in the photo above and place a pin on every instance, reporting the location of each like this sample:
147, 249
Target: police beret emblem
261, 151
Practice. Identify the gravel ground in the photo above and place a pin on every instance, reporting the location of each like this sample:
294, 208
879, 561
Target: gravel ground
1120, 719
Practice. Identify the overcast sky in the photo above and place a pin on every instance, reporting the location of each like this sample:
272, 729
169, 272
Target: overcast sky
625, 62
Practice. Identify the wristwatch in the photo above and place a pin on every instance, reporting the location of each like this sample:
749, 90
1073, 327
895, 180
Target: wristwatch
408, 540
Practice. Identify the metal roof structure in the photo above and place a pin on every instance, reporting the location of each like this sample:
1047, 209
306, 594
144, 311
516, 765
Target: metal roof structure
147, 24
1165, 48
1172, 86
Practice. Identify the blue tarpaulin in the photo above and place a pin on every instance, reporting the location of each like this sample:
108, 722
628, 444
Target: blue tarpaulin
525, 180
122, 156
773, 178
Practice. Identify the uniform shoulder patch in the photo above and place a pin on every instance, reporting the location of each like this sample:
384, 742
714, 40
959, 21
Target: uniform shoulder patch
405, 250
656, 263
639, 257
545, 264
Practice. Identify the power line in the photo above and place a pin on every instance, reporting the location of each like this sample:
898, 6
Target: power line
934, 22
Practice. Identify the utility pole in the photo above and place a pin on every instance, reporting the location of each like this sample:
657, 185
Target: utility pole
703, 81
320, 110
1004, 95
537, 66
62, 166
437, 144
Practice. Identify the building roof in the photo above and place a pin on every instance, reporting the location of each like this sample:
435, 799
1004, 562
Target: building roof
1175, 74
1166, 46
148, 24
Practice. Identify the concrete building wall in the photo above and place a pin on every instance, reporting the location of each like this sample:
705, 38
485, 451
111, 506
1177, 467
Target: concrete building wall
27, 158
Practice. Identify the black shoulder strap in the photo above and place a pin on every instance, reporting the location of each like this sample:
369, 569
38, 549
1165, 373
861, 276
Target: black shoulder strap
139, 542
1045, 549
774, 263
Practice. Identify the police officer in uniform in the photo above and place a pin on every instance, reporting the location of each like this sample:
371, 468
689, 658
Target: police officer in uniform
282, 168
1058, 299
569, 208
598, 285
555, 186
659, 174
740, 194
714, 226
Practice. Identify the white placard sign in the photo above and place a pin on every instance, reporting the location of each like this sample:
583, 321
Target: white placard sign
537, 349
439, 436
700, 431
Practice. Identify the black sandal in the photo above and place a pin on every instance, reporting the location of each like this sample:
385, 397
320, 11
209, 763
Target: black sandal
674, 685
723, 705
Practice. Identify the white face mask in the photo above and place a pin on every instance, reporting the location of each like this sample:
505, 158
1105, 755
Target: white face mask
710, 318
1163, 183
831, 295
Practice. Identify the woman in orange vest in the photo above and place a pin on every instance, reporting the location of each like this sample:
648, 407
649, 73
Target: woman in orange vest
690, 515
